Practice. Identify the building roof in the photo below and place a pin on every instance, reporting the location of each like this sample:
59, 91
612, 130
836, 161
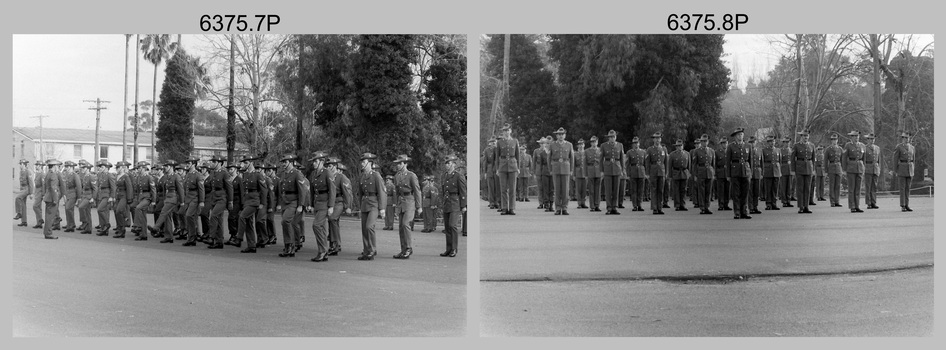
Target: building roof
113, 137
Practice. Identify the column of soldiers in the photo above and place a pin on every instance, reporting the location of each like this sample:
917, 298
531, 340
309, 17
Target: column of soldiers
743, 172
177, 194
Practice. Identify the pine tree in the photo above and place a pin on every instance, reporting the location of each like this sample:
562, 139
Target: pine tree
175, 140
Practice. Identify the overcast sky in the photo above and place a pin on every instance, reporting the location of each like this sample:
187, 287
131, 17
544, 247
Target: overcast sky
53, 74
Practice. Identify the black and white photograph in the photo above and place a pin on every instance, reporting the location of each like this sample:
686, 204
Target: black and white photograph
239, 185
731, 185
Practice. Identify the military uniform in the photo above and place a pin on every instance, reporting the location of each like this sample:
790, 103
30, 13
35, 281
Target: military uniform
593, 173
818, 183
233, 215
832, 156
194, 202
679, 174
871, 172
124, 197
39, 180
803, 158
371, 192
561, 163
430, 200
105, 196
903, 165
146, 194
755, 184
739, 155
581, 178
253, 196
408, 199
657, 164
291, 195
788, 174
507, 169
389, 214
492, 180
221, 192
771, 173
540, 161
704, 170
343, 200
87, 188
525, 174
71, 190
852, 160
636, 171
26, 190
271, 181
52, 193
454, 201
612, 167
723, 183
322, 197
172, 186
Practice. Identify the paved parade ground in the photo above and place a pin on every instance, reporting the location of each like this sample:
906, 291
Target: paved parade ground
86, 285
830, 273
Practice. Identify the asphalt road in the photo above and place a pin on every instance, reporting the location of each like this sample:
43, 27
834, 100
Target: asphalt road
85, 285
587, 274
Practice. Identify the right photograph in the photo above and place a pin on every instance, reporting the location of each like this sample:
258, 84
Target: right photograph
776, 185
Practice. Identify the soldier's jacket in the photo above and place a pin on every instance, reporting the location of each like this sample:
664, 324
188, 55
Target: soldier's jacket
269, 192
657, 161
525, 165
26, 181
507, 155
371, 191
407, 191
161, 189
679, 165
803, 158
740, 157
852, 160
636, 166
124, 187
489, 160
561, 158
903, 158
343, 190
87, 186
321, 189
612, 158
832, 158
872, 160
771, 166
70, 184
819, 163
430, 194
40, 182
253, 189
236, 183
593, 162
208, 193
107, 186
454, 192
579, 170
389, 193
722, 162
703, 163
194, 188
221, 189
540, 162
756, 163
144, 187
52, 187
786, 161
291, 187
173, 189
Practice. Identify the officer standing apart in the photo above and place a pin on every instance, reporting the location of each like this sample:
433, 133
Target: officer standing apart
454, 204
561, 163
371, 192
871, 171
525, 174
657, 162
507, 170
679, 174
636, 172
703, 165
26, 190
903, 158
612, 167
771, 172
739, 154
832, 157
723, 186
803, 160
852, 160
52, 192
593, 173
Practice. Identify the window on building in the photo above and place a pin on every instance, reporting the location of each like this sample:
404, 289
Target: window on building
103, 152
77, 151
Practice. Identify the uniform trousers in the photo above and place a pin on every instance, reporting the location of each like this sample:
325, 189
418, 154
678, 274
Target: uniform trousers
85, 213
522, 188
190, 219
141, 218
770, 189
104, 210
492, 182
52, 210
854, 190
547, 189
904, 182
164, 221
723, 191
705, 190
389, 213
38, 205
560, 183
784, 189
740, 195
405, 220
289, 229
246, 225
320, 229
870, 189
507, 186
622, 191
657, 193
21, 204
334, 231
803, 191
216, 220
755, 193
611, 184
233, 219
594, 192
818, 185
834, 188
636, 187
121, 212
70, 206
452, 220
679, 190
430, 218
581, 190
367, 231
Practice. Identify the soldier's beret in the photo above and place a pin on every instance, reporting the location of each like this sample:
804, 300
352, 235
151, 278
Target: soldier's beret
853, 133
581, 141
635, 140
869, 136
751, 139
656, 135
402, 158
593, 139
834, 136
367, 156
450, 158
803, 133
506, 127
288, 157
738, 130
612, 133
559, 131
318, 155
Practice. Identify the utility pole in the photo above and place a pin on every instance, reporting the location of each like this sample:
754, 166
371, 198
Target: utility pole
98, 116
42, 146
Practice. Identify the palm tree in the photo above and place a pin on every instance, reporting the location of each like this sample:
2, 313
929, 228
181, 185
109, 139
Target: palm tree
157, 48
125, 105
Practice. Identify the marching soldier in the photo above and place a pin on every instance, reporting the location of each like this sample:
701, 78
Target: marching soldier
581, 180
371, 191
389, 209
771, 172
194, 200
430, 195
852, 160
180, 228
871, 171
818, 190
26, 190
489, 163
540, 167
271, 183
299, 222
290, 194
525, 174
454, 203
40, 182
71, 191
507, 169
612, 162
704, 169
408, 201
158, 173
832, 156
788, 173
252, 187
52, 193
803, 157
593, 173
221, 191
146, 197
267, 204
343, 202
723, 185
636, 172
561, 163
679, 174
739, 154
903, 157
87, 187
172, 186
321, 203
755, 184
657, 163
235, 177
124, 197
105, 195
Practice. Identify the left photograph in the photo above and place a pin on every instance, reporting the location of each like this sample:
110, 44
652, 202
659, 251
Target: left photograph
262, 185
